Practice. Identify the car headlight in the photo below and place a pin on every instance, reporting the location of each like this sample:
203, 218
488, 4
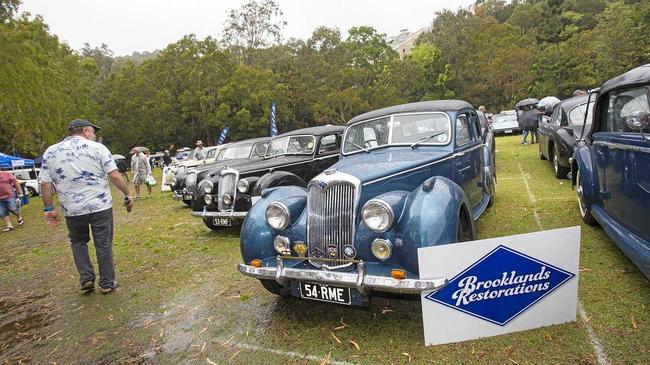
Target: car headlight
226, 199
208, 187
281, 245
382, 249
277, 215
207, 199
377, 215
242, 186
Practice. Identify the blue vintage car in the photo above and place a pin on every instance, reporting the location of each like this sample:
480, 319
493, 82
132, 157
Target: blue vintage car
409, 176
611, 165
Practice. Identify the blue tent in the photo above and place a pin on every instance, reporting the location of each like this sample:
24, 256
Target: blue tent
8, 161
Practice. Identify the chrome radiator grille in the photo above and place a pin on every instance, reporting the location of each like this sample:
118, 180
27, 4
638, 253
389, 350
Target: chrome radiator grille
330, 221
228, 185
190, 181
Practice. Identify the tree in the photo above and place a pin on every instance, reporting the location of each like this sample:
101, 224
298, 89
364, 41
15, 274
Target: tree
253, 26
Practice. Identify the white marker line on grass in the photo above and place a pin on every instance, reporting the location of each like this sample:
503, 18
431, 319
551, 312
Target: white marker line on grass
595, 342
290, 354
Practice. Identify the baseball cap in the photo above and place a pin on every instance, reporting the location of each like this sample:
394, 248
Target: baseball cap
79, 123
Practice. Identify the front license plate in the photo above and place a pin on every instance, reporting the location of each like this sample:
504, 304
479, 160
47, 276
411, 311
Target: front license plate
509, 131
325, 293
222, 222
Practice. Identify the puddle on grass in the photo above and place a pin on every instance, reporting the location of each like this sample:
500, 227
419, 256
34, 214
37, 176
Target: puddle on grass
22, 320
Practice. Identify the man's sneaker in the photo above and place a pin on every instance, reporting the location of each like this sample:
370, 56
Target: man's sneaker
88, 286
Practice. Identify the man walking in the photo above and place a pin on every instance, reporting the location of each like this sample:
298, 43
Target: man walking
141, 169
79, 167
9, 188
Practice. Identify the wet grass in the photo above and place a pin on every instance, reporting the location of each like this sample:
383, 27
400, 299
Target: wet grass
181, 299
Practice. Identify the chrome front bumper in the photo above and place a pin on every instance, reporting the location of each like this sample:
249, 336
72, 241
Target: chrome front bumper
359, 280
233, 215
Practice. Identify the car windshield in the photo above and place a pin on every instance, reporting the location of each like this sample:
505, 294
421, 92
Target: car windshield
504, 119
258, 150
423, 128
291, 145
234, 153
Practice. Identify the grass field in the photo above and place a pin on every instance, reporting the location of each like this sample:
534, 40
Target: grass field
181, 299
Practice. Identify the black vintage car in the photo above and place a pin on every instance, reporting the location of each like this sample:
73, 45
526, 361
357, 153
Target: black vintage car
292, 158
558, 135
232, 154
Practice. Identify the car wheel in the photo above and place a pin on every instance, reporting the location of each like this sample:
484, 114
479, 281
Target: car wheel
560, 171
463, 228
276, 288
585, 210
31, 192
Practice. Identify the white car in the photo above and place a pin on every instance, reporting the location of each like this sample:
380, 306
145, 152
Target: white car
29, 176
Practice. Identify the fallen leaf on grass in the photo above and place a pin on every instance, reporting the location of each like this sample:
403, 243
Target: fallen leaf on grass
386, 310
343, 325
326, 359
513, 361
54, 334
584, 269
74, 310
203, 330
210, 361
634, 325
355, 345
236, 353
203, 347
407, 355
227, 342
508, 351
110, 317
161, 332
336, 338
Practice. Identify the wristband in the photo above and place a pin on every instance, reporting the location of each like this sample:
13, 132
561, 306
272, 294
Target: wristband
48, 208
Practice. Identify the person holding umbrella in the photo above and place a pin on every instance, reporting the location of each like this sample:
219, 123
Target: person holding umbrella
528, 118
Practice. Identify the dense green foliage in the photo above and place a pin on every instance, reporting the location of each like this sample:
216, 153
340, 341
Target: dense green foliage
492, 54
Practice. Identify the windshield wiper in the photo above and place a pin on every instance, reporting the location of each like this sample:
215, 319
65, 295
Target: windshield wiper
356, 145
415, 144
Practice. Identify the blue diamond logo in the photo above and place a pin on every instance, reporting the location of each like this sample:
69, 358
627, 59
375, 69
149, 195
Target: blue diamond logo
501, 285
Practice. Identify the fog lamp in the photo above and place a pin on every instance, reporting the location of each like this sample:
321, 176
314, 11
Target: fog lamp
207, 199
256, 262
226, 199
281, 245
381, 248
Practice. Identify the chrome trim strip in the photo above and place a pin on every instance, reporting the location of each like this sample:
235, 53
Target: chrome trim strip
451, 156
359, 280
233, 215
622, 146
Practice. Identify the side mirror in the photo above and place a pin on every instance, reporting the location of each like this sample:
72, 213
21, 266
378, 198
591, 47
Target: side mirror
638, 121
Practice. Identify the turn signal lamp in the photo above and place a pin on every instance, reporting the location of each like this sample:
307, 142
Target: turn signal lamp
256, 262
398, 274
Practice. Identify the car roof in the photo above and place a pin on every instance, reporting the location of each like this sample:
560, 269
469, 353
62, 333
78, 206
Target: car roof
422, 106
316, 131
249, 142
570, 103
639, 75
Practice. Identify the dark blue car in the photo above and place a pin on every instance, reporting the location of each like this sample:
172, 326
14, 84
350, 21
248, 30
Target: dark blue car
611, 166
409, 176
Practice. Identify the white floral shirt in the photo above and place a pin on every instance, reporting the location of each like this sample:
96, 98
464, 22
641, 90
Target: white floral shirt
78, 167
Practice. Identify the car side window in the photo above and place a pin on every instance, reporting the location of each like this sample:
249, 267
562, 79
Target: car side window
576, 116
476, 126
328, 144
463, 130
556, 116
623, 104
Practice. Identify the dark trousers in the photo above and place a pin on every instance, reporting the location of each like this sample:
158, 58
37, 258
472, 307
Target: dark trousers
101, 224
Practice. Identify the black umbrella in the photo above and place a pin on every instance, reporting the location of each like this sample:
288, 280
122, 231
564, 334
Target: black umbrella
527, 101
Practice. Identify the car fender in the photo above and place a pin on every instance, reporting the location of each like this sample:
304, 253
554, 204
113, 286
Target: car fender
489, 168
275, 179
257, 236
430, 218
582, 160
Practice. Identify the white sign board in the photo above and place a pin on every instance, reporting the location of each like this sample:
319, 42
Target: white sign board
17, 163
500, 285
